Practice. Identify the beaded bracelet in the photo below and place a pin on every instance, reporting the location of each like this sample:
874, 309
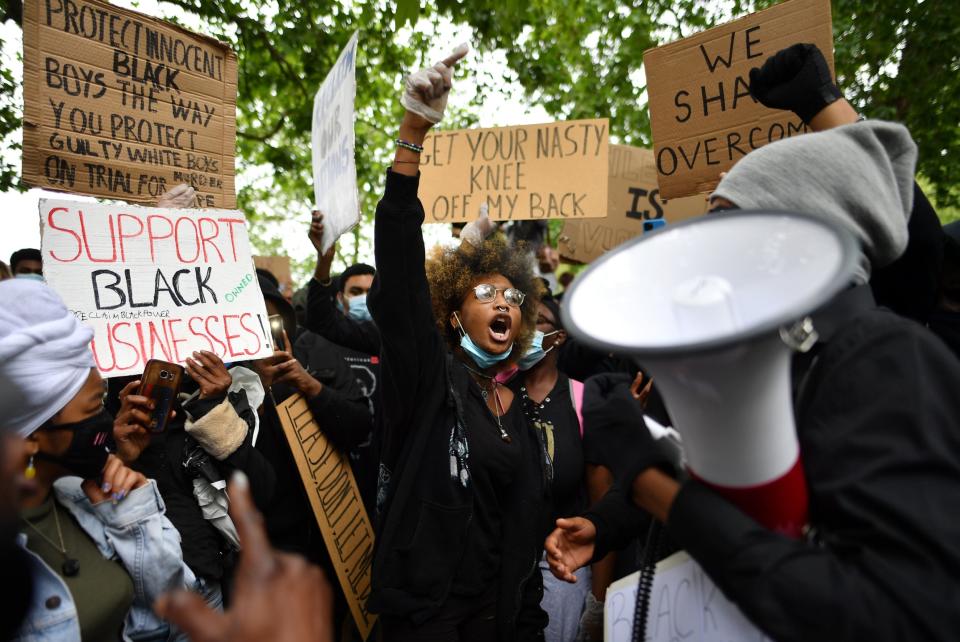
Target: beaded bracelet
413, 147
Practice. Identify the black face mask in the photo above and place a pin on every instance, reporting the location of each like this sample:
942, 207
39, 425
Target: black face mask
87, 454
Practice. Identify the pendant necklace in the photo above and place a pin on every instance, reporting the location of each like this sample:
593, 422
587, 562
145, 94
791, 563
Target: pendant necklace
504, 436
70, 566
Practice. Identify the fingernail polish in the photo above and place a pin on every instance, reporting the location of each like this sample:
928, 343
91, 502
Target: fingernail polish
123, 493
239, 479
106, 487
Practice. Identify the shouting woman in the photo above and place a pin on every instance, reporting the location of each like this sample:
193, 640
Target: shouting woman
460, 479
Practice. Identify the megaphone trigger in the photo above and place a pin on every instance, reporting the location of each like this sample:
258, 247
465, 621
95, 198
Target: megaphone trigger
800, 336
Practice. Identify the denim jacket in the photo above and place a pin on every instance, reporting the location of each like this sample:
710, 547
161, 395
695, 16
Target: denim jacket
134, 531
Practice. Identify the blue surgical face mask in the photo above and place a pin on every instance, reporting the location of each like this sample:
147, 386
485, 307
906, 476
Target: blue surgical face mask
481, 357
535, 353
31, 276
358, 307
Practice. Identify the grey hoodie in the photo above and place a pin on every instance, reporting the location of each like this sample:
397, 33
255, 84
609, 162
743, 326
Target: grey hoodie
860, 176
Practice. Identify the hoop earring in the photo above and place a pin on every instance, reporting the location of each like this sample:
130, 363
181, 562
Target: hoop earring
31, 470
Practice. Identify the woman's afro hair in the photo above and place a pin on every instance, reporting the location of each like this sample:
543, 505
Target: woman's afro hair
453, 273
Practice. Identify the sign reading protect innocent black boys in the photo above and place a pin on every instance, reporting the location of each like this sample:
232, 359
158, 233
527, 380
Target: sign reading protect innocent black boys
124, 106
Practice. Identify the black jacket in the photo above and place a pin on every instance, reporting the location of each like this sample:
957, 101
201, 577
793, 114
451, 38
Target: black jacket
326, 320
877, 422
341, 411
426, 514
204, 549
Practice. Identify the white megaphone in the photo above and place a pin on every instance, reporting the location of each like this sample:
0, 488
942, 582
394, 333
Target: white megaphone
713, 309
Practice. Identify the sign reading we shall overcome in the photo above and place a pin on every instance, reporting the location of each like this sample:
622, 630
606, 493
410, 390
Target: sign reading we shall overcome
337, 507
636, 207
556, 170
155, 284
702, 115
124, 106
332, 141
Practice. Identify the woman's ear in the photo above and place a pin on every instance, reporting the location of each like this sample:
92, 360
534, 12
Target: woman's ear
454, 321
32, 446
561, 337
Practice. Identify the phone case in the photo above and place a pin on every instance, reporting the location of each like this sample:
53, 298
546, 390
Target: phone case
161, 382
276, 331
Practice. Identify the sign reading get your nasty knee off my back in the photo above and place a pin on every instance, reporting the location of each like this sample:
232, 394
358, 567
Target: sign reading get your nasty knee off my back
121, 105
555, 170
155, 283
702, 115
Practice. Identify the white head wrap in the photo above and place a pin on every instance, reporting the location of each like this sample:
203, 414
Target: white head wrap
45, 355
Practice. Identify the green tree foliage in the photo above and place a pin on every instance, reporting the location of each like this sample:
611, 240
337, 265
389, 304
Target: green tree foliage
896, 59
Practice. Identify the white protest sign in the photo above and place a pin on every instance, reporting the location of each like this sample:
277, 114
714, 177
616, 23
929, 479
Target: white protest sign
334, 164
684, 605
155, 283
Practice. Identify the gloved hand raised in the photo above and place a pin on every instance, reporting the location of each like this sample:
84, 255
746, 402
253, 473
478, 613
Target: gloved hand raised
425, 92
614, 428
796, 78
476, 231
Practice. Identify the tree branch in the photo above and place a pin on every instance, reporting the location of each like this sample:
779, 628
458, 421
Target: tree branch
263, 137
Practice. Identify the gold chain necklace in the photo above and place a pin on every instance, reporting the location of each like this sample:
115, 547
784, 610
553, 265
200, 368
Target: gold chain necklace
70, 566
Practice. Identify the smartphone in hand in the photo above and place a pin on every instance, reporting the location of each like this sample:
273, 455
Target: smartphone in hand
276, 331
161, 382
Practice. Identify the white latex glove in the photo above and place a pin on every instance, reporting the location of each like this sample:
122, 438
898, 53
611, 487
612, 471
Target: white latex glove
477, 230
425, 92
177, 197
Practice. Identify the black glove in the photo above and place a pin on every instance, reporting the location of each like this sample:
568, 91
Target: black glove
614, 432
796, 78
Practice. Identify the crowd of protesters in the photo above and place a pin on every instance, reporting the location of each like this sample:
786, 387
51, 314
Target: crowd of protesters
505, 466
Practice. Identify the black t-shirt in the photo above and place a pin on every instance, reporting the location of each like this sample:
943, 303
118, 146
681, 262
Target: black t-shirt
557, 427
493, 469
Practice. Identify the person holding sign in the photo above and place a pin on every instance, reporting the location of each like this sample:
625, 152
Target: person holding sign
460, 487
876, 412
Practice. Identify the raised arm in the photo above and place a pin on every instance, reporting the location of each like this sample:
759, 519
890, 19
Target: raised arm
400, 298
323, 317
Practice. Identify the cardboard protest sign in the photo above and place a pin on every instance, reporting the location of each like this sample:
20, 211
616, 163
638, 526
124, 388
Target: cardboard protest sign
155, 284
278, 266
556, 170
635, 207
335, 499
702, 116
334, 163
684, 604
124, 106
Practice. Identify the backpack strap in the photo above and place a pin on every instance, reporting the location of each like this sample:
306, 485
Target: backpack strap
576, 397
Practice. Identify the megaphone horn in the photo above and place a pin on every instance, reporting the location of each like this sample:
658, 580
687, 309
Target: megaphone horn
713, 309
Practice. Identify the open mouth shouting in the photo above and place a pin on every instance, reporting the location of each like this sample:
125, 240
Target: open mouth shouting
500, 329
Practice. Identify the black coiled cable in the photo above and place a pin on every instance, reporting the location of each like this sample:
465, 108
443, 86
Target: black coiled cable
648, 567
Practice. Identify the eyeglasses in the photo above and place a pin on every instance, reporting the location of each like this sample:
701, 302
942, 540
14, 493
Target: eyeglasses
486, 293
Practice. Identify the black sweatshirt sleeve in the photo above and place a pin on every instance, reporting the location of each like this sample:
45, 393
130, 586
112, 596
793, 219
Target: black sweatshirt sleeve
789, 588
618, 522
399, 301
324, 319
910, 286
343, 415
882, 457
